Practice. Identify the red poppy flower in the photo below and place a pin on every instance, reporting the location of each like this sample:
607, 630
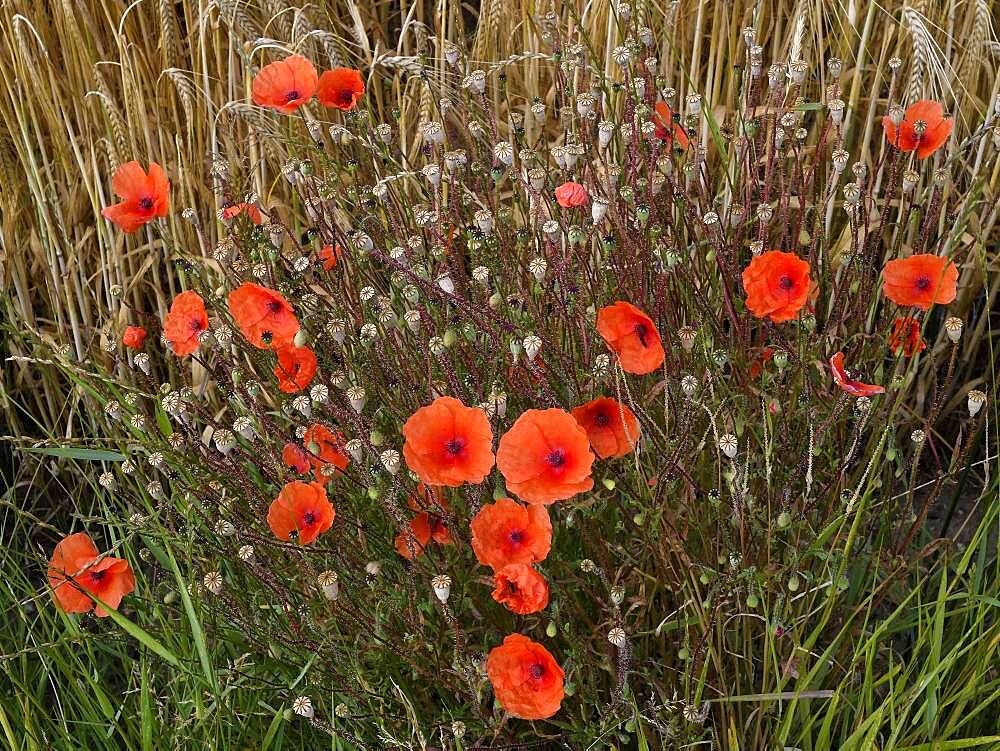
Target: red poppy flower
326, 450
235, 209
329, 255
75, 570
341, 88
527, 681
777, 285
447, 443
610, 425
145, 197
133, 337
423, 527
848, 384
936, 129
264, 316
185, 322
295, 457
906, 336
757, 364
546, 456
301, 511
295, 369
631, 335
667, 129
521, 589
920, 280
505, 532
569, 195
286, 84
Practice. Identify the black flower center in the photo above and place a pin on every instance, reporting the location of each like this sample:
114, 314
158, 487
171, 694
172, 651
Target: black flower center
454, 446
785, 282
293, 95
922, 283
146, 203
601, 419
516, 536
309, 518
345, 96
273, 306
537, 671
642, 332
97, 575
556, 458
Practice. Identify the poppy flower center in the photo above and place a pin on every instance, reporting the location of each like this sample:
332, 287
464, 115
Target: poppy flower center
97, 575
195, 324
454, 447
293, 95
146, 203
536, 671
556, 458
346, 96
308, 518
601, 420
922, 283
642, 332
516, 536
785, 282
273, 306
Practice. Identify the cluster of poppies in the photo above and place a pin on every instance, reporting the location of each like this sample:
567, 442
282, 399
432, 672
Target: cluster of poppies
545, 456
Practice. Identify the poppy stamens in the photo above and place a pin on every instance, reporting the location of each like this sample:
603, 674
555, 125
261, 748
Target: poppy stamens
536, 671
785, 282
454, 447
922, 282
309, 518
601, 419
97, 575
146, 203
516, 536
293, 95
556, 458
641, 332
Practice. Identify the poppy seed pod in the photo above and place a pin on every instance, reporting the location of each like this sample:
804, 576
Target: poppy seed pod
451, 53
765, 213
532, 346
504, 153
355, 449
976, 400
689, 385
390, 460
538, 266
687, 336
441, 584
246, 553
329, 584
728, 445
141, 361
356, 396
598, 209
953, 327
618, 637
303, 707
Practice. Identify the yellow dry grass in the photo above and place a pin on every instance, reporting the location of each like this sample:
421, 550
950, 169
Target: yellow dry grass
89, 84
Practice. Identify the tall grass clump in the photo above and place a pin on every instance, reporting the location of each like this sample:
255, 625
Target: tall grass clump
631, 386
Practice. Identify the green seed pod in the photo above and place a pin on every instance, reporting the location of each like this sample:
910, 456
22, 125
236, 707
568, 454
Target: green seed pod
784, 520
550, 630
752, 600
608, 483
